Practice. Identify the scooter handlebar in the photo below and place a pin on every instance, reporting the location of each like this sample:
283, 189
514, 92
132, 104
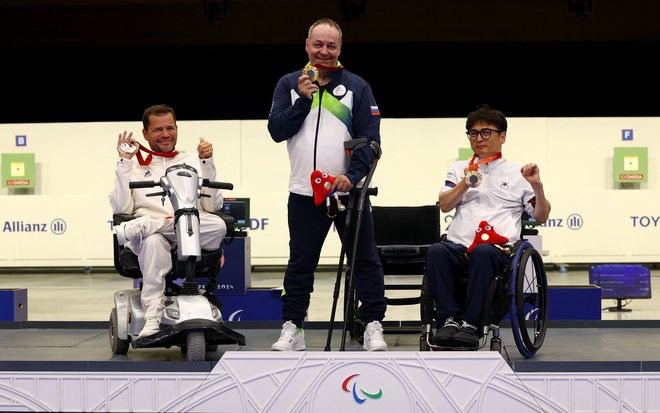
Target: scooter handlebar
143, 184
217, 185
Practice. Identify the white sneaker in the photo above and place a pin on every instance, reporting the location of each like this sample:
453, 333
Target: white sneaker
292, 338
373, 337
151, 327
129, 230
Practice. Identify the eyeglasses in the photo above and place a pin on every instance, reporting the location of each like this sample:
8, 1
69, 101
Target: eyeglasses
485, 133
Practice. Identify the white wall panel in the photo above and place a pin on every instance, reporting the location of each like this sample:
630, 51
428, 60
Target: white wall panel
593, 219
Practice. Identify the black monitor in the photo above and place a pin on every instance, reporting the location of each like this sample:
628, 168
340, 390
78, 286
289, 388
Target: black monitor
239, 208
621, 282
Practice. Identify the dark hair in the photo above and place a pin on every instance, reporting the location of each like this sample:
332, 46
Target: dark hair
156, 110
327, 21
486, 114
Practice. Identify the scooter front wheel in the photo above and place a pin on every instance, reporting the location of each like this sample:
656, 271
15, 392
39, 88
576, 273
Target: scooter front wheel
195, 348
117, 345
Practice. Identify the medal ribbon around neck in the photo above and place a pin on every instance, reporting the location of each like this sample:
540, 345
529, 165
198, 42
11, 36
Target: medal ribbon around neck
474, 166
147, 161
328, 68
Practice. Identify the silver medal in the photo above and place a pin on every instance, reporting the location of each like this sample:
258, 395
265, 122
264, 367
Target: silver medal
127, 147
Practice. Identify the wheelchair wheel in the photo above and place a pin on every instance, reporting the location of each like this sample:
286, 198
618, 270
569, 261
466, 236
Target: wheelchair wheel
118, 345
529, 300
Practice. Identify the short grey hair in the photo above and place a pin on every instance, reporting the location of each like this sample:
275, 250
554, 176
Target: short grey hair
327, 21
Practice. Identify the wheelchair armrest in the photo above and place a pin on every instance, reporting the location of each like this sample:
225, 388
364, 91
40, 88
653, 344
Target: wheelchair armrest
516, 246
125, 261
119, 218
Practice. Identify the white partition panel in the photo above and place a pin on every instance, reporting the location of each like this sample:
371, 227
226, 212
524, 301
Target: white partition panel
64, 220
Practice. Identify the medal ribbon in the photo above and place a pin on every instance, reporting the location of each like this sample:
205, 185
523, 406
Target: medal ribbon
475, 165
147, 161
328, 68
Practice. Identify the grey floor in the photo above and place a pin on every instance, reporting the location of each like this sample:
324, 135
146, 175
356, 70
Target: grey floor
68, 311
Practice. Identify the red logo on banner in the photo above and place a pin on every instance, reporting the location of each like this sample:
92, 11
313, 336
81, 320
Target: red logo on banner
631, 177
18, 182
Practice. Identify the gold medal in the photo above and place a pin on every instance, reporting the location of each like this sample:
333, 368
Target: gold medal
473, 179
311, 72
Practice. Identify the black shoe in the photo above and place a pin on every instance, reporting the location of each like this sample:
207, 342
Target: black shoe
467, 336
444, 336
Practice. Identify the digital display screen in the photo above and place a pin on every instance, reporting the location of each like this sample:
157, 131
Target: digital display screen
621, 280
239, 208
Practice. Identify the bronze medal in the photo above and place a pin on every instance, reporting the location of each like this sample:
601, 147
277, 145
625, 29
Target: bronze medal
473, 179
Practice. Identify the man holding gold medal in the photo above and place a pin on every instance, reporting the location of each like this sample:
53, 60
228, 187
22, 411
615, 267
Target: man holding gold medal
315, 110
487, 188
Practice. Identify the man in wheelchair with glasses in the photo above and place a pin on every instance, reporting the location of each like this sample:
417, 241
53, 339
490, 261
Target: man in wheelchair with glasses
486, 188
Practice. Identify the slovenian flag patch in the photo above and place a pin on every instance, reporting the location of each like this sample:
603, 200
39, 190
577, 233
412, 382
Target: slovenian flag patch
375, 110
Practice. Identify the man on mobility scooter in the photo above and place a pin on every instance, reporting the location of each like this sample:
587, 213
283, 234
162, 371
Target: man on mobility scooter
152, 234
486, 189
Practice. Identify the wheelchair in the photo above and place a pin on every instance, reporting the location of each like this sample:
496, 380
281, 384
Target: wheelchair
191, 319
521, 291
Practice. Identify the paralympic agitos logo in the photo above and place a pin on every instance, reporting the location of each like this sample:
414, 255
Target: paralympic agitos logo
354, 390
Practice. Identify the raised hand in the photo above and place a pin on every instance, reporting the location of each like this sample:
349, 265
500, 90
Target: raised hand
126, 145
204, 149
531, 173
